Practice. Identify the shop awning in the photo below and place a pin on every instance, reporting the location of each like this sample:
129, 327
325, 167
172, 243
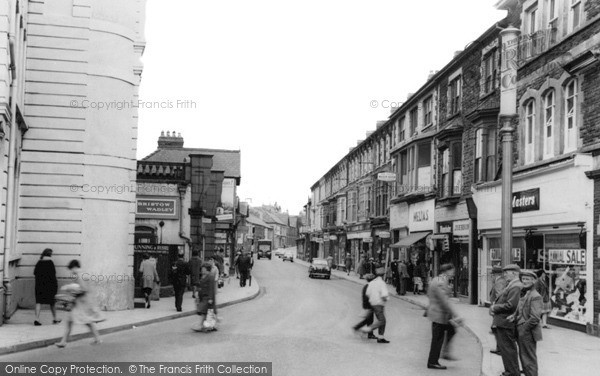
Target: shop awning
410, 239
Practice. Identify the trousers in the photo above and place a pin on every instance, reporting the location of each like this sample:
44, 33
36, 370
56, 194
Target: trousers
507, 345
368, 320
378, 310
438, 333
179, 290
527, 351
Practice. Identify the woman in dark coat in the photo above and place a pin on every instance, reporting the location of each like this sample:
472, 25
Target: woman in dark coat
46, 285
206, 296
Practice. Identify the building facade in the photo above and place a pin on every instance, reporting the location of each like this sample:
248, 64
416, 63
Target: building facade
70, 176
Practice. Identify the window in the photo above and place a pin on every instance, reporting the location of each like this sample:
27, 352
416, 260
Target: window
454, 96
552, 20
403, 166
445, 171
352, 206
529, 131
489, 72
456, 157
548, 132
490, 154
414, 118
570, 116
414, 165
401, 124
531, 19
575, 14
478, 155
342, 211
428, 111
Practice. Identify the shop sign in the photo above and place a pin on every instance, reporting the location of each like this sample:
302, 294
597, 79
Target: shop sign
516, 254
332, 237
206, 220
420, 216
156, 208
386, 176
461, 228
445, 227
368, 240
524, 201
567, 256
225, 217
384, 234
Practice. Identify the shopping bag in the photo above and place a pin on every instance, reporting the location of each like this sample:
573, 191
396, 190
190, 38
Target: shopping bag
211, 320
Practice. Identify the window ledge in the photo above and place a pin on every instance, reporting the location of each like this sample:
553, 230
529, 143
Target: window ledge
448, 200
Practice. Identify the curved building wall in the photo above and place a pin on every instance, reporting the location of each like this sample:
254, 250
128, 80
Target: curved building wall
77, 183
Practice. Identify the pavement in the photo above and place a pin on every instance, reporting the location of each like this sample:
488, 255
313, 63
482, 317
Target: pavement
19, 333
561, 352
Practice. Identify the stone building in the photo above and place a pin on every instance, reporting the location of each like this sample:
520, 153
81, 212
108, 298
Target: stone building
71, 176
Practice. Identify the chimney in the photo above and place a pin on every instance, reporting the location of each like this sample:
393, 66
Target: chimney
170, 141
379, 124
359, 142
409, 95
457, 53
369, 133
431, 74
351, 148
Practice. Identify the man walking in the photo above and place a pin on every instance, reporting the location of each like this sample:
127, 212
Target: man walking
348, 263
504, 306
403, 276
378, 296
368, 320
244, 265
442, 316
179, 272
527, 317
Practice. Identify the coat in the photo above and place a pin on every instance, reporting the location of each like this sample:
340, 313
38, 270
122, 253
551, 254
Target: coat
149, 273
506, 304
403, 270
46, 285
440, 310
499, 285
528, 314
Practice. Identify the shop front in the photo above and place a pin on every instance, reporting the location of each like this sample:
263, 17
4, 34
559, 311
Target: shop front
551, 232
355, 237
414, 247
399, 229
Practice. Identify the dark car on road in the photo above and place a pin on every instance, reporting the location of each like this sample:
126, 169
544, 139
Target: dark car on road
319, 268
264, 249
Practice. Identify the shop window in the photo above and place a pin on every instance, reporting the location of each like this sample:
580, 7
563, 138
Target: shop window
567, 265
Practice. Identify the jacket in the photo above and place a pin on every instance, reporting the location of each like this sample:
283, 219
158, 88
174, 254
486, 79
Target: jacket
377, 292
528, 314
179, 273
499, 285
149, 274
206, 287
506, 304
403, 270
439, 310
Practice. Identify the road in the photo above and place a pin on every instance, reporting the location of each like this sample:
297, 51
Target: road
302, 325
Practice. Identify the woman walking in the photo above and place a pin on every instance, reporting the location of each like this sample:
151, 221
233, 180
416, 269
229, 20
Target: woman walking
206, 296
542, 288
149, 277
83, 310
46, 285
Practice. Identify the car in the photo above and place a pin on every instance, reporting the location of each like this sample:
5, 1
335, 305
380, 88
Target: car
279, 253
319, 268
264, 249
289, 256
263, 254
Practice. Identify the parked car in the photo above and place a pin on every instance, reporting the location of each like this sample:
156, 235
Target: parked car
264, 249
319, 268
279, 253
289, 256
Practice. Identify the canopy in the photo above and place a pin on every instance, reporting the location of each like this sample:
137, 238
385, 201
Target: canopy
410, 239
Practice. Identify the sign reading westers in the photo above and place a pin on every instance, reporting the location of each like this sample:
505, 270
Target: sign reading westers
526, 200
156, 207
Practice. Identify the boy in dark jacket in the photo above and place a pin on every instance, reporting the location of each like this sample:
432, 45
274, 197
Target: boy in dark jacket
368, 320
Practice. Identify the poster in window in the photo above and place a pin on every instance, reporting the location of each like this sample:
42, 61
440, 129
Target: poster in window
495, 256
568, 287
516, 254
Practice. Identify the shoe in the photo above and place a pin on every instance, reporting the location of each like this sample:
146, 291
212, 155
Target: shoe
96, 342
497, 352
545, 327
382, 340
372, 336
61, 344
178, 309
55, 321
436, 366
37, 323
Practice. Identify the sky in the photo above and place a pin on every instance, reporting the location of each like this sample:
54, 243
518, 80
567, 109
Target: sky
293, 85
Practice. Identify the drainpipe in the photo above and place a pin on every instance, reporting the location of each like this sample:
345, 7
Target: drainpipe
182, 190
10, 189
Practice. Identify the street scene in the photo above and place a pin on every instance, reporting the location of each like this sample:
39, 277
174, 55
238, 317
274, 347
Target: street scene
285, 188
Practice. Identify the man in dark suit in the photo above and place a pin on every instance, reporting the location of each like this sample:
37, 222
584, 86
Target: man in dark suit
179, 272
527, 317
442, 316
244, 264
504, 306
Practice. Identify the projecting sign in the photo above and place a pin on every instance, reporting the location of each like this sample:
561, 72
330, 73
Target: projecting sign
156, 208
386, 176
224, 217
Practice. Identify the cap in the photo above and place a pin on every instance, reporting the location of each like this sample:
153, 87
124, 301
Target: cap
528, 273
496, 270
369, 277
380, 271
512, 267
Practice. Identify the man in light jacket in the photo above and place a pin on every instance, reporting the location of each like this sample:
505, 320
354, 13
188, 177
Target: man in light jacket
504, 306
378, 296
527, 317
442, 315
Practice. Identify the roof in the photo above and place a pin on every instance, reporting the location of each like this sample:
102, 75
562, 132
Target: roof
228, 161
257, 221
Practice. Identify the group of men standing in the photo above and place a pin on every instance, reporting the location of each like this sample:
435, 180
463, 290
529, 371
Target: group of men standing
516, 312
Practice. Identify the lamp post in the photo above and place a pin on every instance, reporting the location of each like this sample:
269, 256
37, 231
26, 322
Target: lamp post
508, 112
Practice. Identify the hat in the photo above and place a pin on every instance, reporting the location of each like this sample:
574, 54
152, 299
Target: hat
529, 273
496, 270
380, 271
369, 277
512, 267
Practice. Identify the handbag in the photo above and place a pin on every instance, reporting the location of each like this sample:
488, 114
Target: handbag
201, 305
